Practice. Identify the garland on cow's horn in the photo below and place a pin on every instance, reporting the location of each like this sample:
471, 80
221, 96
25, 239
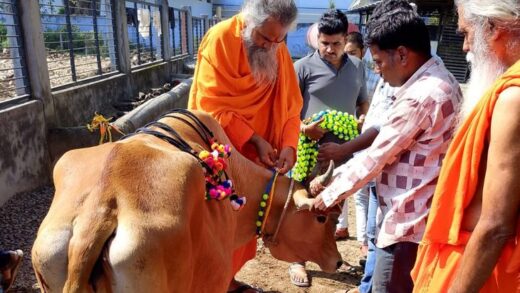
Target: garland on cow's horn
341, 124
218, 186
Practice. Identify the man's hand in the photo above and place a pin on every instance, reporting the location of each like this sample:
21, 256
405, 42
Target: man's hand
285, 160
331, 151
360, 122
319, 204
315, 187
314, 130
265, 151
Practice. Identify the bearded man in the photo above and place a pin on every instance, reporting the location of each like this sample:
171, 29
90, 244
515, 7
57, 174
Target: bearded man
245, 79
471, 239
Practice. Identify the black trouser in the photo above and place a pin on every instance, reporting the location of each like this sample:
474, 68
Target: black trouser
393, 266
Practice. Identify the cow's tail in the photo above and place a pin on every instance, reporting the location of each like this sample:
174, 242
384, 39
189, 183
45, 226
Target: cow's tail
91, 231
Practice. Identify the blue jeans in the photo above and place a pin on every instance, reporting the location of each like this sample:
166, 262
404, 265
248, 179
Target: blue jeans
366, 282
393, 266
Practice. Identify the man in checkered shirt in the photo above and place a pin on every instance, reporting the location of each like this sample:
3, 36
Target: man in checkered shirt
406, 156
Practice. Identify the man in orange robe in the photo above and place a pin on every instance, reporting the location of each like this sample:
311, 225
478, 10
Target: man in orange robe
470, 243
245, 79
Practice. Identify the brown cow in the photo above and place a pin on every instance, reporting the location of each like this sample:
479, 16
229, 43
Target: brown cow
131, 216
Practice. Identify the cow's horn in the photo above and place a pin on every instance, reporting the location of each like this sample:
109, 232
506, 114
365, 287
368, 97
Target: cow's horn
327, 176
301, 201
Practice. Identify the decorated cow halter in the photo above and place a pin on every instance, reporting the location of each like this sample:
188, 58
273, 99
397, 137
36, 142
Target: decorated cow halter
265, 207
272, 240
213, 162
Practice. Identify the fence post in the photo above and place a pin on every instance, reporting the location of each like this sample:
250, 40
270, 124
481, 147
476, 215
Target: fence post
205, 24
183, 24
36, 61
165, 29
15, 49
189, 31
121, 34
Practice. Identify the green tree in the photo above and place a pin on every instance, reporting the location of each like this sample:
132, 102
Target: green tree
332, 4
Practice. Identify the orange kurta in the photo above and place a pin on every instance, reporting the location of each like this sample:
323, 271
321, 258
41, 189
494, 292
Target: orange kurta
224, 86
442, 247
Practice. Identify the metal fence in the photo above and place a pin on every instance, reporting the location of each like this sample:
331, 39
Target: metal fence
79, 39
178, 20
13, 73
144, 32
213, 21
81, 43
199, 29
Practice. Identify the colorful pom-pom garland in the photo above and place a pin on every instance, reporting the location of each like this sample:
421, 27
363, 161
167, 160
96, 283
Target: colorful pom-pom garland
218, 187
342, 125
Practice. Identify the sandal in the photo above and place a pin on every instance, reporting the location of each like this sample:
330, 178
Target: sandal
347, 268
294, 270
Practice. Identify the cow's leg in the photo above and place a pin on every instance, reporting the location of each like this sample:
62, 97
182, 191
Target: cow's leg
139, 262
49, 257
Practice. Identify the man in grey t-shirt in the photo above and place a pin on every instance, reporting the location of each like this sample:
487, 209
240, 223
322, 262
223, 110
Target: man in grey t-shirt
329, 79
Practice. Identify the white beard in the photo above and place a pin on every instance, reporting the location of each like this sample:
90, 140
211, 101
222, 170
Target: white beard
263, 62
485, 69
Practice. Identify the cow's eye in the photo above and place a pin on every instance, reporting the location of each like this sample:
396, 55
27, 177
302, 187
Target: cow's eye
321, 219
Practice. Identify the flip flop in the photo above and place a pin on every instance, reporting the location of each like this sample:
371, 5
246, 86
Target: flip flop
347, 268
304, 283
245, 287
7, 283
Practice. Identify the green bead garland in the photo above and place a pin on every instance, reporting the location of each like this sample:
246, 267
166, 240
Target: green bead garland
342, 125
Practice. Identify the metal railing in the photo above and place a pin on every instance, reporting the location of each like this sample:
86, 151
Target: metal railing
81, 43
144, 32
199, 30
79, 39
178, 20
213, 21
13, 72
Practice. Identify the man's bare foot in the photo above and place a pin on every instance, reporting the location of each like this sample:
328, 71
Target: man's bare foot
9, 272
364, 250
239, 287
298, 275
341, 234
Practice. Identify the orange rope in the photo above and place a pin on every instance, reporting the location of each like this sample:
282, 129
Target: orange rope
271, 196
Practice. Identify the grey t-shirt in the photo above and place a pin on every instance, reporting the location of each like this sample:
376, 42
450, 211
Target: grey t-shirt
323, 87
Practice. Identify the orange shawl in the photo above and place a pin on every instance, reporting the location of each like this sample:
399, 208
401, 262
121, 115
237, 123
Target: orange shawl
224, 86
443, 243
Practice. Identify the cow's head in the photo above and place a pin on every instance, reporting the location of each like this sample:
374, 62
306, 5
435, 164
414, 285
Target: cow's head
304, 235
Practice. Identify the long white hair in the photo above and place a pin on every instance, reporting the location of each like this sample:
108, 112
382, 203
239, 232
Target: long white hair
263, 61
485, 65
